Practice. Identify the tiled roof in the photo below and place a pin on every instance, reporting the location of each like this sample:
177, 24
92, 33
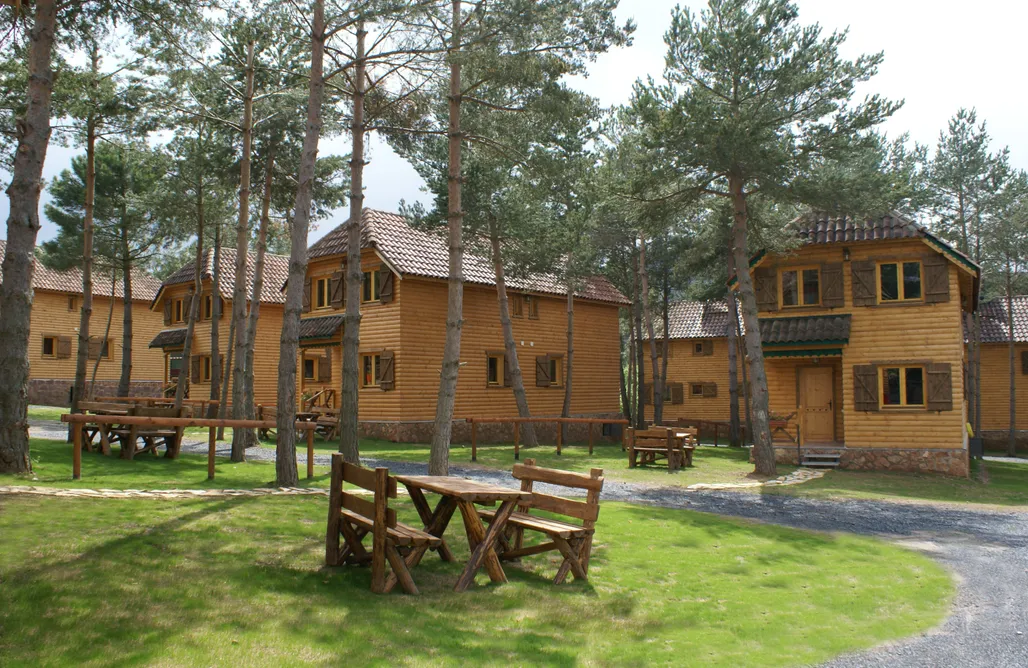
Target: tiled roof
421, 253
320, 328
276, 270
696, 320
808, 329
144, 286
994, 320
169, 338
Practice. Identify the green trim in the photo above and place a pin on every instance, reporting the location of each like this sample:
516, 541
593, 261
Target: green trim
753, 262
952, 252
817, 342
812, 352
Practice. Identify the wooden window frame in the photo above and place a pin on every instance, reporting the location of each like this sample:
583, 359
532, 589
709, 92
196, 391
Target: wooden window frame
73, 303
900, 284
799, 287
533, 307
53, 346
376, 361
208, 307
314, 369
105, 349
370, 285
206, 368
517, 306
697, 348
177, 310
903, 368
556, 369
499, 357
692, 390
317, 282
167, 365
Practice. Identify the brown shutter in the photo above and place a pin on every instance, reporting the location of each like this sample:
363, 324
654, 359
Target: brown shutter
766, 288
194, 364
862, 275
167, 310
516, 305
709, 390
385, 286
708, 347
1024, 361
325, 367
94, 348
221, 306
647, 394
533, 307
63, 347
508, 374
677, 393
940, 387
832, 294
865, 388
542, 371
386, 373
936, 280
306, 296
335, 290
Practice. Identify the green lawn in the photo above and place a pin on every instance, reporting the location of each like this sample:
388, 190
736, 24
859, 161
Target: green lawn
240, 581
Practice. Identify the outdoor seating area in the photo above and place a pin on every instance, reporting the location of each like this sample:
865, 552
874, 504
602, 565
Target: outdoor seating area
672, 445
127, 436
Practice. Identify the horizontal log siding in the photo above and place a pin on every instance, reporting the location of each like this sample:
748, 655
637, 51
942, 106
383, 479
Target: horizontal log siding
782, 377
50, 316
996, 387
597, 353
684, 367
889, 333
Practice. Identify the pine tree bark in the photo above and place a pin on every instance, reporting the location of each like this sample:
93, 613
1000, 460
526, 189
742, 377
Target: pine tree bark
225, 371
86, 312
569, 362
216, 367
107, 333
763, 450
666, 343
285, 450
644, 286
747, 434
1012, 355
439, 458
243, 438
349, 399
640, 359
517, 379
194, 303
125, 379
734, 425
626, 406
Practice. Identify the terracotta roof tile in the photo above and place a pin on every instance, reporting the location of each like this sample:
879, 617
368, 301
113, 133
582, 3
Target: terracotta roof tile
320, 328
144, 286
994, 320
808, 329
696, 320
276, 270
422, 253
169, 338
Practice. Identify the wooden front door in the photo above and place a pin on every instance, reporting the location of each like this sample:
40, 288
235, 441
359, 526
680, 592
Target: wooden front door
818, 401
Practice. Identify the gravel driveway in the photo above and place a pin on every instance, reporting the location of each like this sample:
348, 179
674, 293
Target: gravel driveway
986, 550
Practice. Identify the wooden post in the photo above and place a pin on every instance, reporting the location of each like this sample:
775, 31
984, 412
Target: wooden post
335, 506
310, 454
76, 453
474, 441
517, 449
590, 438
560, 438
212, 441
378, 532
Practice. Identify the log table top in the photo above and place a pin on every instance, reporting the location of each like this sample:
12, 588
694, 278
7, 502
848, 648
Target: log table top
463, 489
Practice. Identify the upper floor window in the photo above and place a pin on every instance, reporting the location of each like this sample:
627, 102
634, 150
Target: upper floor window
208, 307
899, 281
322, 295
310, 369
370, 286
801, 287
49, 346
522, 305
903, 386
177, 311
72, 303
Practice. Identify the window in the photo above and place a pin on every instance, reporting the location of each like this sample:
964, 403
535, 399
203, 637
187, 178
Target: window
532, 306
903, 386
517, 306
697, 348
494, 370
369, 287
72, 303
208, 307
205, 369
556, 371
105, 349
174, 366
177, 310
899, 281
322, 296
801, 287
310, 368
49, 346
369, 367
696, 389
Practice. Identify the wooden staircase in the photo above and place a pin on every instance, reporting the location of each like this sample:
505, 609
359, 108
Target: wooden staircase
827, 460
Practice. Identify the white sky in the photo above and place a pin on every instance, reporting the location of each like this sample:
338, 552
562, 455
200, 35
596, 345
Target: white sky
939, 55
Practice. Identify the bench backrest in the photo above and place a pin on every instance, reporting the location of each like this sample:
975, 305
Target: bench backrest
151, 411
103, 406
661, 435
587, 511
377, 481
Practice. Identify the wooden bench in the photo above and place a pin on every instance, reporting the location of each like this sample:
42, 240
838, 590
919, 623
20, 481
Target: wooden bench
153, 435
266, 413
328, 423
573, 541
676, 446
354, 517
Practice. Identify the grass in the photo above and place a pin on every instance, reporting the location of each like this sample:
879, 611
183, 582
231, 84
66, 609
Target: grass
241, 582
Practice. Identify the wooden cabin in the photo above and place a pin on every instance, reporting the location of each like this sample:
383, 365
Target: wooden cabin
171, 306
995, 390
863, 343
54, 326
403, 330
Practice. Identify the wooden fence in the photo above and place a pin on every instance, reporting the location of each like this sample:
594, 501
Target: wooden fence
517, 421
78, 420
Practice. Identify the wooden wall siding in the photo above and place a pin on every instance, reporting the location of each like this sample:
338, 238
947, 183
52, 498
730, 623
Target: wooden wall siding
782, 375
890, 333
418, 360
50, 316
686, 368
996, 387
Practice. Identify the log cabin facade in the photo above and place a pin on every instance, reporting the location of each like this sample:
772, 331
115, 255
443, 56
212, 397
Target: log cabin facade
54, 326
863, 343
995, 375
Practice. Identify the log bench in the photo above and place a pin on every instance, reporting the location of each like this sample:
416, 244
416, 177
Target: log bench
153, 435
675, 446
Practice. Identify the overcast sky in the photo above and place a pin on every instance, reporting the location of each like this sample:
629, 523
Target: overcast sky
940, 55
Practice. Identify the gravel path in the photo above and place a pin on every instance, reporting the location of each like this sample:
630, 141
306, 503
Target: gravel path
986, 550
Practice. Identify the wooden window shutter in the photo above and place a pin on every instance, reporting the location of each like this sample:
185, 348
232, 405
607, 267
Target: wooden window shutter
647, 394
542, 371
194, 369
832, 293
936, 279
63, 347
865, 388
677, 393
385, 286
94, 348
508, 373
167, 311
1024, 361
219, 304
766, 288
940, 387
709, 390
335, 290
708, 347
325, 367
516, 308
386, 371
306, 296
862, 276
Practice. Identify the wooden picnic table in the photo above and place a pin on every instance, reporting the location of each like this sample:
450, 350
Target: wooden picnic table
462, 494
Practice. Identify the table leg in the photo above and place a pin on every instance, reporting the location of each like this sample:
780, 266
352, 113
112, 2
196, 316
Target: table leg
105, 439
435, 523
483, 543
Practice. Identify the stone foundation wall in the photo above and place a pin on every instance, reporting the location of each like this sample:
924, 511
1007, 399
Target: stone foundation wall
57, 391
914, 460
421, 432
997, 439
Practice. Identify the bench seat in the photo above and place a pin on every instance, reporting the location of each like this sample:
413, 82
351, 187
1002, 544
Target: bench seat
546, 525
401, 534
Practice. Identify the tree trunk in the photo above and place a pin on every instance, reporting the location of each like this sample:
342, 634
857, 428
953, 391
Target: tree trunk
763, 450
86, 313
243, 438
748, 415
107, 333
517, 379
225, 371
640, 368
285, 451
978, 374
644, 286
734, 426
666, 343
349, 400
569, 362
249, 405
125, 380
212, 410
1012, 433
439, 459
194, 303
626, 406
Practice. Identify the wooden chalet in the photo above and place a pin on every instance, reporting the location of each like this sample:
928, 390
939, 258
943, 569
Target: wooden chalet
403, 330
995, 390
54, 326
